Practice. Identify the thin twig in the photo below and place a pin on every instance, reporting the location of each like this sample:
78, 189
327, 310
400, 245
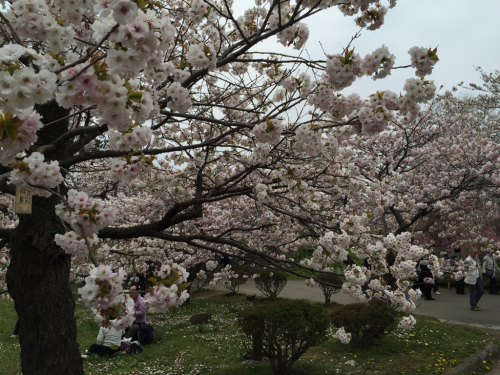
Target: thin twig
73, 114
89, 54
14, 34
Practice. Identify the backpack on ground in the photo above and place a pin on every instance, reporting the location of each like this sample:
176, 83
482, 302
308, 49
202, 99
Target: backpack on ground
134, 348
146, 334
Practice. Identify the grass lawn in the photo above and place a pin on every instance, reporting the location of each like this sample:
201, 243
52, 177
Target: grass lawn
216, 348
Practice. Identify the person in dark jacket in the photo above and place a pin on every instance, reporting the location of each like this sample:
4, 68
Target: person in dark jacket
425, 272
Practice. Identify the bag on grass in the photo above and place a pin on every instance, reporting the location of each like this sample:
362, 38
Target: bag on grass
135, 348
146, 334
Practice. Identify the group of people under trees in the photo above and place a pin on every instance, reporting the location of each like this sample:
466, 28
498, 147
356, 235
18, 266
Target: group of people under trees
473, 271
111, 340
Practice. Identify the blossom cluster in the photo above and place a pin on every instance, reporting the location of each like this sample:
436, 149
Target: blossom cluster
74, 244
303, 83
297, 34
4, 265
211, 265
224, 277
261, 152
179, 98
161, 298
280, 15
379, 63
118, 103
342, 71
407, 322
356, 275
171, 269
128, 168
133, 139
34, 20
342, 335
355, 233
87, 212
198, 10
169, 291
423, 60
20, 135
418, 91
103, 293
33, 170
202, 56
373, 17
24, 87
268, 131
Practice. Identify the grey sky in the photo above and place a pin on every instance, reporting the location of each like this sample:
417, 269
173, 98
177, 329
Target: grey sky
466, 32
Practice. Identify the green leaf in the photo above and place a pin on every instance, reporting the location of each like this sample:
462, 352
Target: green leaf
175, 274
433, 54
134, 95
19, 165
13, 68
153, 280
11, 131
184, 286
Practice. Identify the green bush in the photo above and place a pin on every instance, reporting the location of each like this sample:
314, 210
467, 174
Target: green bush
286, 328
269, 285
328, 290
366, 322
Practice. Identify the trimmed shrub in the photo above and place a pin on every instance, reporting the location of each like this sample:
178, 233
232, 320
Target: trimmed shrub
201, 283
286, 329
271, 283
366, 322
235, 282
327, 289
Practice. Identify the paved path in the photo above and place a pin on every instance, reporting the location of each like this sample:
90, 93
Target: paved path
448, 306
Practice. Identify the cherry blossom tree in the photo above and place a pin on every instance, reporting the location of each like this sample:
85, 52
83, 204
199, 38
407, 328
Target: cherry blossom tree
156, 135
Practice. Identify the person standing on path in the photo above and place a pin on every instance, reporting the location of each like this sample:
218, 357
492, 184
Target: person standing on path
458, 264
424, 278
489, 270
472, 265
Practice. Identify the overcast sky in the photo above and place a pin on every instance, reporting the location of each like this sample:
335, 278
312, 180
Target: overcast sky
466, 32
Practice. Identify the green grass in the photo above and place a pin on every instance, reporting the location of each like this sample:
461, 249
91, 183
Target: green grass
10, 363
216, 348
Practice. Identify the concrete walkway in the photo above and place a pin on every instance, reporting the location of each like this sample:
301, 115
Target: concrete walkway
448, 306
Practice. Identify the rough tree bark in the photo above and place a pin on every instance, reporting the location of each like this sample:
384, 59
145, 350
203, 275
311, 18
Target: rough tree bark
38, 277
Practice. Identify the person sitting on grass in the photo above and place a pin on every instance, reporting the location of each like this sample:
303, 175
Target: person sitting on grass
108, 341
139, 313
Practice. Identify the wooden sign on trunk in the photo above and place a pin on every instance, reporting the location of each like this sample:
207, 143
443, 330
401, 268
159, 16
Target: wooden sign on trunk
23, 200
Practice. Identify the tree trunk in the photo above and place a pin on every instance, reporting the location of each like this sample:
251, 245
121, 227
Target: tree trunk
38, 277
257, 345
328, 297
38, 280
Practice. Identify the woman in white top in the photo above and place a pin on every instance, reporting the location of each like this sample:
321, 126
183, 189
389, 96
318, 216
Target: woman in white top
108, 341
472, 265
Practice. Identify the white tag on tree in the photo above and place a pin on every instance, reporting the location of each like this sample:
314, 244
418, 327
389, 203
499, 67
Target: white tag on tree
23, 201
